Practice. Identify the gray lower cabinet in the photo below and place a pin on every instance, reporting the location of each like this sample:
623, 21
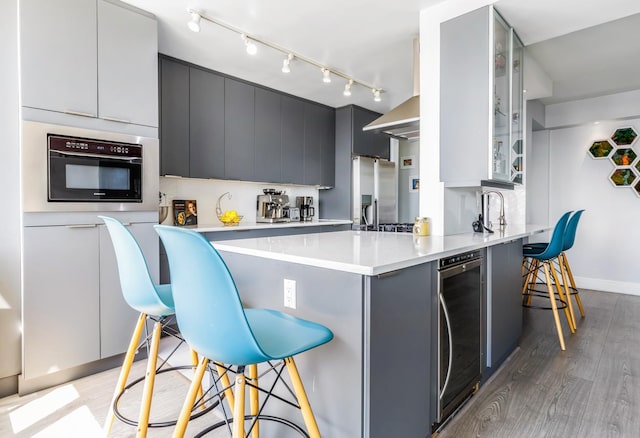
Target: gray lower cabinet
504, 305
73, 309
174, 118
292, 140
206, 124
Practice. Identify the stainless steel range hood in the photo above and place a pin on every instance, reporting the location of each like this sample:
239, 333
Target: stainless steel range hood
403, 121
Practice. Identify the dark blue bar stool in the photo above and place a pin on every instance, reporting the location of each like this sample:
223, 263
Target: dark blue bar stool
543, 256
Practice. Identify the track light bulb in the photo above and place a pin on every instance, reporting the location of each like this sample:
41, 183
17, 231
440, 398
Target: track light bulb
286, 62
376, 95
194, 23
326, 75
251, 48
347, 88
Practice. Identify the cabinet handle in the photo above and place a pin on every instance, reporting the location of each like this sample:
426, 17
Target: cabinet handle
172, 176
389, 274
82, 226
115, 119
80, 113
448, 321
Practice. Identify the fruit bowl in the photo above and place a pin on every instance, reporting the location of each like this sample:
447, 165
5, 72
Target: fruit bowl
230, 221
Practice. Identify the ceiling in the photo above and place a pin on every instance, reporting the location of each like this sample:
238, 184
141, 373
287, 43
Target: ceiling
372, 41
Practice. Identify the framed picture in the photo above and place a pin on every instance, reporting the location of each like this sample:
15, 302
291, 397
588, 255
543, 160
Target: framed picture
185, 212
407, 162
414, 183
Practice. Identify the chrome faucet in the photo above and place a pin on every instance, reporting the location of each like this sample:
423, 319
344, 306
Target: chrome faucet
501, 220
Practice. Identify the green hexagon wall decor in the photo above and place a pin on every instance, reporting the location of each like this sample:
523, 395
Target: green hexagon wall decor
601, 149
623, 177
624, 136
624, 157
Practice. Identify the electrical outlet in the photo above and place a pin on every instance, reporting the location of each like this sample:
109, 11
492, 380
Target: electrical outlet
290, 293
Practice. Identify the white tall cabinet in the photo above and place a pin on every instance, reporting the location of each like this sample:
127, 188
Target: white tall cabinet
91, 58
481, 101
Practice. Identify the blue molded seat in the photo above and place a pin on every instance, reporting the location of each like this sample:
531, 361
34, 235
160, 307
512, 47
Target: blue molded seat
154, 302
569, 234
542, 256
212, 320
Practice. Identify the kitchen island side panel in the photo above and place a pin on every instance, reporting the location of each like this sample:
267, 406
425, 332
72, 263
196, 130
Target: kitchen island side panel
399, 353
331, 373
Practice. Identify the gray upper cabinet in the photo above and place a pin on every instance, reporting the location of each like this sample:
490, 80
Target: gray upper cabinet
312, 143
239, 122
100, 60
268, 133
292, 140
174, 118
59, 38
213, 126
367, 143
127, 66
206, 125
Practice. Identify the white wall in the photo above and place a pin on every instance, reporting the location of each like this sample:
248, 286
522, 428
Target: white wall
605, 255
10, 280
244, 196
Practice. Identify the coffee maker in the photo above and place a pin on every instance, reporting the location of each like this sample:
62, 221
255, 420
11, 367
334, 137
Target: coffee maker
305, 204
271, 206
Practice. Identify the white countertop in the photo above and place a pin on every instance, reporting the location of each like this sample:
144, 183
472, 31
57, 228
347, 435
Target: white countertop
370, 252
243, 226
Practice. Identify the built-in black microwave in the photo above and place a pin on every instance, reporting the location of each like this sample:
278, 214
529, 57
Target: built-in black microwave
92, 170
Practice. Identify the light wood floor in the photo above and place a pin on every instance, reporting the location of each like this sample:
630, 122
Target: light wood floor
591, 390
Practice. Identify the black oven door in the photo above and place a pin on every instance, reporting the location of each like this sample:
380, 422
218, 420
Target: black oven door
78, 177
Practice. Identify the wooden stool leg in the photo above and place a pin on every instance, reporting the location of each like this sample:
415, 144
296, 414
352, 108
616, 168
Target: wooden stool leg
554, 308
238, 407
254, 402
224, 378
573, 284
530, 283
187, 407
149, 380
303, 401
194, 362
559, 288
124, 372
567, 292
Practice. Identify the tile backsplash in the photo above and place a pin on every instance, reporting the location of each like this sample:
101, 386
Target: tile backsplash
243, 196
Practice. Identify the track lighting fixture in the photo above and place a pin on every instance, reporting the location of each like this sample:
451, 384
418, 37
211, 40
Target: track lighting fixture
251, 48
286, 63
347, 88
194, 23
326, 75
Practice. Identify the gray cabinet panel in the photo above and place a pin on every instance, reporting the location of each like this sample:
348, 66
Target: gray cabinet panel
399, 335
312, 143
174, 120
328, 147
206, 124
60, 299
59, 55
127, 65
268, 138
368, 143
292, 140
239, 126
504, 305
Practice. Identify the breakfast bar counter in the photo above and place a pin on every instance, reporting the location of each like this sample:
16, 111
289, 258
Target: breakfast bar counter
377, 292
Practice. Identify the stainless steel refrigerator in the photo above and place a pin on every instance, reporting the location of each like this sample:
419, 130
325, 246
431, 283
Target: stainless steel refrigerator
375, 191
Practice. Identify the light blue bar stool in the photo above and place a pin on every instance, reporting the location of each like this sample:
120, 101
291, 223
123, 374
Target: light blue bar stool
155, 303
544, 256
569, 282
212, 320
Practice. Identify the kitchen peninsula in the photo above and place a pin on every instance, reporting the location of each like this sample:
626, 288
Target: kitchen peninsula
377, 292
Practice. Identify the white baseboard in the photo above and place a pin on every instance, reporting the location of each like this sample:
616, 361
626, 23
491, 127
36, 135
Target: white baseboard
622, 287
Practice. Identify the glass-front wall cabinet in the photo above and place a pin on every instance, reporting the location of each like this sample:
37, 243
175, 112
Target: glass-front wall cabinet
507, 146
